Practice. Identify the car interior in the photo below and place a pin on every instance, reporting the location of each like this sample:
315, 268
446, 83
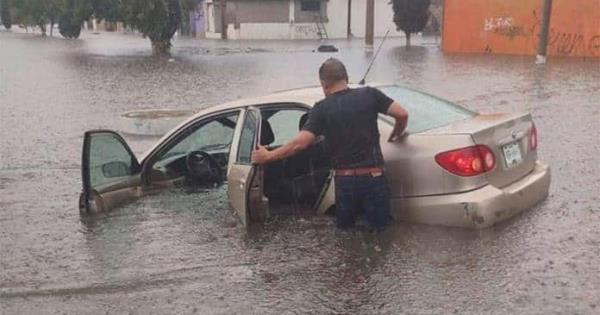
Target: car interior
200, 160
297, 181
200, 157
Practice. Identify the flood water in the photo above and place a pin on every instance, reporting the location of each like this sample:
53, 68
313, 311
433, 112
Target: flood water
186, 253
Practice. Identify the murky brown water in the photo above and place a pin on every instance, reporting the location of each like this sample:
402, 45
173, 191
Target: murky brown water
186, 253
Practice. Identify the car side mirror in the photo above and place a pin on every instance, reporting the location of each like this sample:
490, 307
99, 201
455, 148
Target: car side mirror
116, 169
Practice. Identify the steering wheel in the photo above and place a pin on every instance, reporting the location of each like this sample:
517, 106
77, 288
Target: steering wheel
203, 167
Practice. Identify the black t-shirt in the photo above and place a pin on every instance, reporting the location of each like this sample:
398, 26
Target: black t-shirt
348, 120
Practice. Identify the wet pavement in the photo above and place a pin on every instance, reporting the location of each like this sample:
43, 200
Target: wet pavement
186, 253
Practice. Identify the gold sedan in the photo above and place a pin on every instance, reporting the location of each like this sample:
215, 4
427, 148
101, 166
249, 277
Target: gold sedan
456, 168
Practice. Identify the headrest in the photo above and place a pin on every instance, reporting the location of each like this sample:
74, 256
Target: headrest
303, 120
266, 133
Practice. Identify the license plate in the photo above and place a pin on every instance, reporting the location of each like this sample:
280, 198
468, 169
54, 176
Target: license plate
512, 154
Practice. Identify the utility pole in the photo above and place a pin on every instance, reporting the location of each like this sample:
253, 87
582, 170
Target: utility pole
349, 25
370, 28
544, 30
223, 4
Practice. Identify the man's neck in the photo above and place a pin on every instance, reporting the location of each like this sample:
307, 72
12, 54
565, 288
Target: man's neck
338, 87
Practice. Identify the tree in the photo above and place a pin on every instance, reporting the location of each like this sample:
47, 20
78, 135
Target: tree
53, 8
5, 14
32, 13
187, 6
410, 16
72, 16
108, 10
156, 19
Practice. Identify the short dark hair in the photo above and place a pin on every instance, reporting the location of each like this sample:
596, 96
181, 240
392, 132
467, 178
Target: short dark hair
333, 71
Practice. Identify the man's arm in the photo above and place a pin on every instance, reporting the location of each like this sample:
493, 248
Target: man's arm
302, 141
401, 115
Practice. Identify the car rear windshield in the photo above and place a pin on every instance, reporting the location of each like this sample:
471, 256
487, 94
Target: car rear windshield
425, 111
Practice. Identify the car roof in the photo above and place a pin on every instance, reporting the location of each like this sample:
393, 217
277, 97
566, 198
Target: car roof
305, 95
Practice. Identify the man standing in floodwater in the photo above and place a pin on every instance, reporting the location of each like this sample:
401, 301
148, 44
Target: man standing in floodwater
347, 117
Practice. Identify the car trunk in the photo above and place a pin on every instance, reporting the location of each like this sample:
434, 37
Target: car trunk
508, 137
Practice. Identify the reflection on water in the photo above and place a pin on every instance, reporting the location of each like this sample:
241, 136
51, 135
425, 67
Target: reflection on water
185, 252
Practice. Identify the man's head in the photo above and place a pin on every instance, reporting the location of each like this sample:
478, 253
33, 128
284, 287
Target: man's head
333, 76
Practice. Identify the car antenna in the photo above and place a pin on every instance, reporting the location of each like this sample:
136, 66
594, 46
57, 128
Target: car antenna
362, 82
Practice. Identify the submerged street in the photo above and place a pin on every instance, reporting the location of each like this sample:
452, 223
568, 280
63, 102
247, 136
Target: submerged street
187, 253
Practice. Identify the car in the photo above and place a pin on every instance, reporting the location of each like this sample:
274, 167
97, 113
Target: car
456, 168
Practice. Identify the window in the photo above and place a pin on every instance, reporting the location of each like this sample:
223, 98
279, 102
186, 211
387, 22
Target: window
248, 137
425, 111
109, 160
284, 123
213, 136
310, 5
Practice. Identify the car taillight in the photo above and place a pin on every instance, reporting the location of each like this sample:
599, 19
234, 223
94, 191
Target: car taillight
533, 139
468, 161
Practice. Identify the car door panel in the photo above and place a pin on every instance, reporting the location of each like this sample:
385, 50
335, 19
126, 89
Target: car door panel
244, 180
110, 172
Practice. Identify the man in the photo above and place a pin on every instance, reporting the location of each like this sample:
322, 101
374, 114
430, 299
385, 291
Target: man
348, 120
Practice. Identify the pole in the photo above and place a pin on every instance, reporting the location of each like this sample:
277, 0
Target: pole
349, 25
370, 27
544, 30
223, 4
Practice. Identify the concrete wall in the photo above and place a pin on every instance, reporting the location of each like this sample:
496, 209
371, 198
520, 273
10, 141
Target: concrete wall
513, 26
250, 19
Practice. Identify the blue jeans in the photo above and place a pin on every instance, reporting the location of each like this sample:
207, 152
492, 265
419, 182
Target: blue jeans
367, 194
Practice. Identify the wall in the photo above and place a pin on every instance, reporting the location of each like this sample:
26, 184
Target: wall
512, 27
384, 18
252, 20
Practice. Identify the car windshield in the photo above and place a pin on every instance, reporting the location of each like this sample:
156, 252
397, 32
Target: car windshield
425, 111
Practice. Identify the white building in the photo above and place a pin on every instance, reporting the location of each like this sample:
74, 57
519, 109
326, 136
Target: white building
294, 19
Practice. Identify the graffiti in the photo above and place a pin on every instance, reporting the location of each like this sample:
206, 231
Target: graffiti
493, 24
306, 30
565, 43
594, 45
503, 26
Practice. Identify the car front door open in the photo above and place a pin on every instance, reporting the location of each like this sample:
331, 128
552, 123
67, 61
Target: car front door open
245, 181
110, 172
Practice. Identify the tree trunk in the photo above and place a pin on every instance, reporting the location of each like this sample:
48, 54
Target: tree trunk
407, 39
160, 47
43, 28
51, 27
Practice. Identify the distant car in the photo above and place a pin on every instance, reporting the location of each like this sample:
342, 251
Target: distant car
456, 168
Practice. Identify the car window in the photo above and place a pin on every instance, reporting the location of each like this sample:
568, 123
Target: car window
109, 160
284, 124
247, 138
425, 111
214, 135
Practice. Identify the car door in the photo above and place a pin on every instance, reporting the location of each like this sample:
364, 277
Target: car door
244, 180
110, 172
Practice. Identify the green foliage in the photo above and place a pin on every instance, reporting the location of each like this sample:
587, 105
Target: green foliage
155, 19
411, 16
108, 10
72, 16
187, 6
5, 14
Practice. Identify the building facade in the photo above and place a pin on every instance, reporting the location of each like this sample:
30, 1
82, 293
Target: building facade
513, 27
294, 19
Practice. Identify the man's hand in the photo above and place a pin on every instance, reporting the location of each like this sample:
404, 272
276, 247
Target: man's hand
261, 155
394, 137
302, 141
401, 115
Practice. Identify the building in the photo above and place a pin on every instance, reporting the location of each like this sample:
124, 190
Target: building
513, 27
290, 19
